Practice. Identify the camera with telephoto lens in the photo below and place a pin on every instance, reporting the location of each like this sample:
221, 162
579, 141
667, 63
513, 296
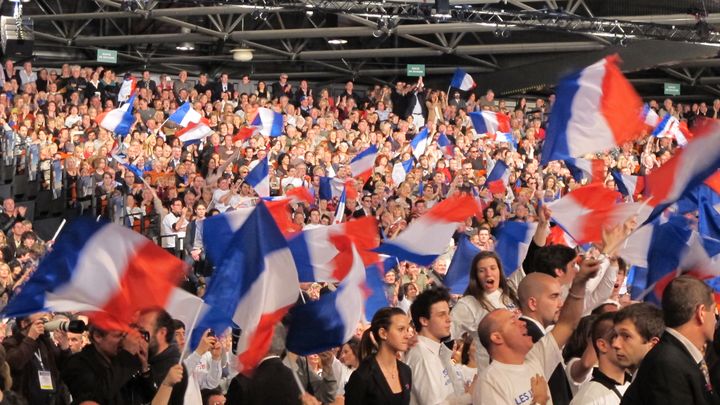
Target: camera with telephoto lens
74, 326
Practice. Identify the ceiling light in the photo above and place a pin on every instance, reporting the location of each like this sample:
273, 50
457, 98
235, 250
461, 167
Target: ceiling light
242, 54
185, 46
338, 41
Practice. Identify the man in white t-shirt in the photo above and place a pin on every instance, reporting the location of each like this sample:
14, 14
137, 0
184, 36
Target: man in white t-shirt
610, 379
515, 360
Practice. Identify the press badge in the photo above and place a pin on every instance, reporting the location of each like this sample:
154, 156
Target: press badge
45, 379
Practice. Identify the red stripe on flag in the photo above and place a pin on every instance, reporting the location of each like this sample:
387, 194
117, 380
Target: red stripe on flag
259, 342
151, 276
364, 234
620, 104
454, 209
714, 182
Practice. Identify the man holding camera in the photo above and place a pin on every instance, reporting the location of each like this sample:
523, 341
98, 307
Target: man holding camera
113, 369
34, 360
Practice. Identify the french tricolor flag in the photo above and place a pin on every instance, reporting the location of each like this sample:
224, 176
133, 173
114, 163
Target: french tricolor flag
194, 132
558, 236
498, 178
340, 210
441, 221
259, 178
322, 254
104, 269
420, 142
462, 80
593, 170
317, 326
686, 170
269, 121
458, 274
669, 127
513, 241
362, 164
331, 187
445, 146
490, 122
627, 185
185, 114
118, 120
583, 212
255, 281
400, 171
375, 283
126, 89
596, 109
650, 117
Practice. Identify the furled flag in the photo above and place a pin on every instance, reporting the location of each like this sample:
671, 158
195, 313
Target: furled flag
118, 120
126, 89
490, 122
362, 164
321, 254
400, 171
104, 269
441, 221
340, 210
317, 326
254, 285
194, 132
596, 109
462, 80
185, 114
269, 121
513, 241
458, 273
669, 127
498, 178
420, 142
259, 178
686, 170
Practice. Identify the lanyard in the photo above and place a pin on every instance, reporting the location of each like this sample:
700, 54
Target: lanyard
37, 356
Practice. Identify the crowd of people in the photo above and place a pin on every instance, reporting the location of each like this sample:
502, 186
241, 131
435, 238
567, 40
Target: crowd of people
562, 329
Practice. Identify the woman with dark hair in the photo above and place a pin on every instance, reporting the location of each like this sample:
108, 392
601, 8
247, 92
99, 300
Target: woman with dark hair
349, 356
381, 378
487, 290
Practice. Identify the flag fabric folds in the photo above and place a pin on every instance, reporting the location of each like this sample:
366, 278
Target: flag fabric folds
254, 285
195, 132
596, 109
185, 114
420, 142
259, 178
118, 120
513, 241
400, 171
102, 268
462, 80
458, 273
490, 122
269, 121
362, 164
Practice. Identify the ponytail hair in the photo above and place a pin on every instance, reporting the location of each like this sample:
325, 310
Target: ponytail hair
370, 341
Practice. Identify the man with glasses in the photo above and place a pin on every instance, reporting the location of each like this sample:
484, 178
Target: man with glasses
476, 158
113, 369
365, 209
279, 88
675, 370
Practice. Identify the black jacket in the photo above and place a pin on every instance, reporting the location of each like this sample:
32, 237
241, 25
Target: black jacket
558, 383
273, 383
669, 375
160, 364
90, 377
24, 365
367, 385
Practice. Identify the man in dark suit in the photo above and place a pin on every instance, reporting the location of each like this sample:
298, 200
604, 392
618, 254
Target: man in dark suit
147, 82
540, 303
223, 86
675, 371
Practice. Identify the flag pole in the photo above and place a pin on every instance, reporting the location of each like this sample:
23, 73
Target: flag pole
62, 224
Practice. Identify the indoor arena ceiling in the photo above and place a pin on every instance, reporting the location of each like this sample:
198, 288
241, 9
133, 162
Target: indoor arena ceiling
523, 44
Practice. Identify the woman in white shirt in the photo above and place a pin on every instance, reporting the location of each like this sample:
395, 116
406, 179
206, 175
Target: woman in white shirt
409, 292
349, 359
488, 290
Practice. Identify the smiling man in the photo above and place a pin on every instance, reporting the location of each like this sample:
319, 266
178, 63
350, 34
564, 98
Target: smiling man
516, 361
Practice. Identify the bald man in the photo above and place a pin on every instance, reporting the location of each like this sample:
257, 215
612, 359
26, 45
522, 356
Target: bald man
515, 359
540, 297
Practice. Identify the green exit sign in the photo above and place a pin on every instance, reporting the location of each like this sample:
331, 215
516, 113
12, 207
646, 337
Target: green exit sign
106, 56
416, 70
672, 89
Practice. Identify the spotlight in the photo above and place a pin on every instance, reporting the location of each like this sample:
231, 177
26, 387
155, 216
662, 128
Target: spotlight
242, 54
338, 41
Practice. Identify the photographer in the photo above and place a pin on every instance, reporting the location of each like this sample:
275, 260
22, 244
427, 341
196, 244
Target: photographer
34, 360
113, 369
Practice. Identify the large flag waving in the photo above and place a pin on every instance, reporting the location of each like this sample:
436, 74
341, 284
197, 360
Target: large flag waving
462, 80
118, 120
101, 268
596, 109
254, 285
